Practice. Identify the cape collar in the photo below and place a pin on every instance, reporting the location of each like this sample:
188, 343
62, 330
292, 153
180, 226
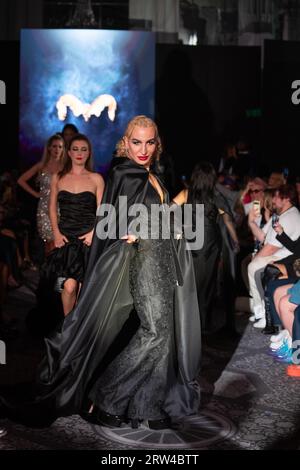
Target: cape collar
127, 163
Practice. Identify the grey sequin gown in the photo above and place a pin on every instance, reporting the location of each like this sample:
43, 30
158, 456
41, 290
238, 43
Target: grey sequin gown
136, 382
43, 221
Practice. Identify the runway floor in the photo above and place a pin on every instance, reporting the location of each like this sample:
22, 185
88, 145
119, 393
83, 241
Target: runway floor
247, 400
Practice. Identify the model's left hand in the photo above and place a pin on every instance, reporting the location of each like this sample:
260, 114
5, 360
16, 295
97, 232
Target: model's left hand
87, 238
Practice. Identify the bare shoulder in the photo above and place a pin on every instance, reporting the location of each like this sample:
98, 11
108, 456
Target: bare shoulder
97, 178
37, 167
54, 178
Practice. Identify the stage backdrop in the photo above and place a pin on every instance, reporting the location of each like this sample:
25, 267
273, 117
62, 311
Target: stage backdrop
202, 97
281, 105
96, 79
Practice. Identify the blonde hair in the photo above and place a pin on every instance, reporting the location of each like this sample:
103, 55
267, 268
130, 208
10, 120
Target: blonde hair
260, 182
268, 196
46, 152
141, 121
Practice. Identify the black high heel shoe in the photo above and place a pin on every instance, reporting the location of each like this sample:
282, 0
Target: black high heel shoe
106, 419
158, 424
90, 417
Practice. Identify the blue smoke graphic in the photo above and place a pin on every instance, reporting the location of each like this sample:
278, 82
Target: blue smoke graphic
85, 63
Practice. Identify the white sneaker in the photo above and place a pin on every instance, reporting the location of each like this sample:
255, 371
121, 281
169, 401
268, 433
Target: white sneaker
276, 345
260, 323
287, 339
281, 335
259, 311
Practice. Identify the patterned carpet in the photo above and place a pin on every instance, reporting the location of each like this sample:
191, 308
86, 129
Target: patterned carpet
247, 400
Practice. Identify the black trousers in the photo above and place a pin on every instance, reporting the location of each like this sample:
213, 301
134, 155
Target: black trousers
206, 263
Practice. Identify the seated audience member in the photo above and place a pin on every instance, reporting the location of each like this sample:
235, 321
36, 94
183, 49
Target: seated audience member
289, 312
276, 179
288, 271
254, 191
249, 245
272, 249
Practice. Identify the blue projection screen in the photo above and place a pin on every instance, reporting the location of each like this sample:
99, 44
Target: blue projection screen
95, 79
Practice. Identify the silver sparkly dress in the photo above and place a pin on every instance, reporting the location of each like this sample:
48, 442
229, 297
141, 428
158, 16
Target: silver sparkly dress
43, 221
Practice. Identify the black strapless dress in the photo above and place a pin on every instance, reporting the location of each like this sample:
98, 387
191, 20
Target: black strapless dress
77, 217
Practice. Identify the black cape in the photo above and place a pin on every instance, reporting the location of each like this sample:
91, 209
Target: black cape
74, 354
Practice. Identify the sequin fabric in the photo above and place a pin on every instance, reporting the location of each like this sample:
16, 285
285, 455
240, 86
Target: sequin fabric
43, 220
136, 382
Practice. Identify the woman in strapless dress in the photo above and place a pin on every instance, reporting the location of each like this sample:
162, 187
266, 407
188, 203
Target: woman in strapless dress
50, 163
76, 192
96, 365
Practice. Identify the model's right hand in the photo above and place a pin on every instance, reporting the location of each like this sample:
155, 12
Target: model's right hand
59, 240
129, 238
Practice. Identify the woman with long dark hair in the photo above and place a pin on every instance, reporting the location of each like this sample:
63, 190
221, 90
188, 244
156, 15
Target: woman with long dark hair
76, 191
202, 190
